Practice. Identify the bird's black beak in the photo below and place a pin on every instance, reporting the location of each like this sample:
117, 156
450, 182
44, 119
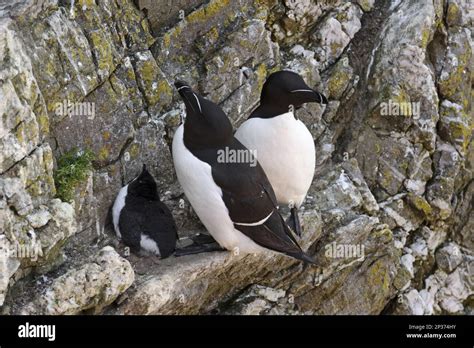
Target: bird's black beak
319, 97
182, 86
191, 100
308, 95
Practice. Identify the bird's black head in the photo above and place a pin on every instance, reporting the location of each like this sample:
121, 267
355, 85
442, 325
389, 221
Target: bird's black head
206, 124
286, 89
144, 186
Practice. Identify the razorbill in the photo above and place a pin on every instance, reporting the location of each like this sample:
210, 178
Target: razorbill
284, 146
141, 220
233, 199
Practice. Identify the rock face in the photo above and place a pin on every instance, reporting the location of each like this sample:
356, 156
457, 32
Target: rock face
389, 217
93, 285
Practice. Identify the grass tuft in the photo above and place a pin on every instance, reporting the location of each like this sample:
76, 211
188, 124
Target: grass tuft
72, 169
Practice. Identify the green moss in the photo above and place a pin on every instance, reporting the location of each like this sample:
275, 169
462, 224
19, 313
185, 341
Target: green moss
261, 75
378, 148
460, 133
402, 278
365, 5
420, 204
384, 235
103, 153
43, 120
213, 34
73, 168
342, 17
102, 50
172, 36
452, 13
47, 159
404, 166
35, 189
378, 276
401, 97
164, 88
207, 12
338, 83
134, 150
335, 47
386, 178
86, 3
148, 73
425, 37
453, 84
106, 135
20, 130
166, 40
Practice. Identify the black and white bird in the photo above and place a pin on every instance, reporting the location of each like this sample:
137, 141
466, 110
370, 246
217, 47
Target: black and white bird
141, 220
234, 200
284, 146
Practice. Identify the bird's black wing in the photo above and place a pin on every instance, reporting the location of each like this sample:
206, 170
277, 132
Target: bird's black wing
152, 218
249, 197
166, 233
130, 229
246, 191
274, 234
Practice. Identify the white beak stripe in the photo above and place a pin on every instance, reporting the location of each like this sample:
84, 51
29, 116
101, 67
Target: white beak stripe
254, 223
199, 104
303, 90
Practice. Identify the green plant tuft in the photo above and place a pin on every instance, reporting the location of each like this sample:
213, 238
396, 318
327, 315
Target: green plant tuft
72, 170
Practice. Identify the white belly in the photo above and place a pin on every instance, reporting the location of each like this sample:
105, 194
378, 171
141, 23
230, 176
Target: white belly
205, 196
285, 150
117, 208
148, 244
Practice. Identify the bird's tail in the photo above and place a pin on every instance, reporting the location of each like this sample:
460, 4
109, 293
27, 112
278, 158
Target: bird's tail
299, 254
302, 256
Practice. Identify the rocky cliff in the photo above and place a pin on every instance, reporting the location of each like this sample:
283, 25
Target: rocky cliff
86, 97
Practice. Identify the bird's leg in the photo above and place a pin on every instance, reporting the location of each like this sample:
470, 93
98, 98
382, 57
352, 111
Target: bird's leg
198, 249
294, 221
202, 243
202, 238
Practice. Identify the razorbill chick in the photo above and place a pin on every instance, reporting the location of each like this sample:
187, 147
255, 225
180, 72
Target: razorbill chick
233, 199
141, 220
284, 146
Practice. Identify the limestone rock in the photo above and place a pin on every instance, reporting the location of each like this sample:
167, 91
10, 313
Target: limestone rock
261, 300
442, 293
92, 286
448, 257
8, 266
335, 32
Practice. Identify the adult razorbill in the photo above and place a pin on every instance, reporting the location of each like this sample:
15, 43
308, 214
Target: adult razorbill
141, 220
284, 146
233, 199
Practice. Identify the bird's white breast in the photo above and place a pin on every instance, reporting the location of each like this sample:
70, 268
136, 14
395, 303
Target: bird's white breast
285, 150
195, 176
117, 208
149, 244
